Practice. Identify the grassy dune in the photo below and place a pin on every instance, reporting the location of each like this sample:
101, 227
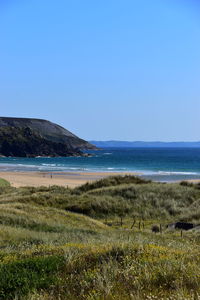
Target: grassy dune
4, 183
59, 243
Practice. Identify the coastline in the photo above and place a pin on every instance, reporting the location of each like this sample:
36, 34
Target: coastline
66, 179
70, 179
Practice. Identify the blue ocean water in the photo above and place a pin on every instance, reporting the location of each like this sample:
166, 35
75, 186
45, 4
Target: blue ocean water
162, 164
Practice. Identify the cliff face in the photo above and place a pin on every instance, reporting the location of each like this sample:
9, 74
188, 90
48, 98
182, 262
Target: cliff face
33, 137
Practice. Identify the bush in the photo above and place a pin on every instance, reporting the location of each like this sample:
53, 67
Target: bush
21, 277
155, 229
110, 181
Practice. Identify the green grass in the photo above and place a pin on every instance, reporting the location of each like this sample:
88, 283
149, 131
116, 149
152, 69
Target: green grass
110, 181
4, 183
129, 197
26, 275
55, 243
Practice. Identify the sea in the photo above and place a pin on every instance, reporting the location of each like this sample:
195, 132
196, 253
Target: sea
159, 164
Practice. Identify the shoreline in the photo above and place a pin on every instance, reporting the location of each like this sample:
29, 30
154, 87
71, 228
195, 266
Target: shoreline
67, 179
70, 179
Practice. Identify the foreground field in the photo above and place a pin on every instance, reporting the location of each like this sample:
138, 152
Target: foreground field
95, 241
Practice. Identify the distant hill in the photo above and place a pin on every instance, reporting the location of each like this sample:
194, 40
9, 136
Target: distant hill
140, 144
25, 137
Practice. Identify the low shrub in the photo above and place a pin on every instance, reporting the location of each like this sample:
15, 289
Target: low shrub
110, 181
21, 277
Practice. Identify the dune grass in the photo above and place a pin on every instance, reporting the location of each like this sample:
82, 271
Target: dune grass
95, 241
4, 183
129, 197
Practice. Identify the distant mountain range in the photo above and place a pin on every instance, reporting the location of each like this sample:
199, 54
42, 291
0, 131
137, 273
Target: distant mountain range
24, 137
141, 144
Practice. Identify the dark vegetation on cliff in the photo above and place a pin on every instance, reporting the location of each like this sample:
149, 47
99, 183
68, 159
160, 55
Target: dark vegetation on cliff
33, 137
23, 142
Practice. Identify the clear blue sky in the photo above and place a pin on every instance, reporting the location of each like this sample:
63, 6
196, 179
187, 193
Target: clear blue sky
109, 69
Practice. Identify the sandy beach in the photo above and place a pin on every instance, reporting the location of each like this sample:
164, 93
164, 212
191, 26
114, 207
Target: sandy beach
70, 179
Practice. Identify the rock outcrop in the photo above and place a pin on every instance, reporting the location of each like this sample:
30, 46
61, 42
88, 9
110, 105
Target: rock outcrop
23, 137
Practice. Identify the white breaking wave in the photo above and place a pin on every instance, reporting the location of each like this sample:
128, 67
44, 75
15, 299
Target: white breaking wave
176, 173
